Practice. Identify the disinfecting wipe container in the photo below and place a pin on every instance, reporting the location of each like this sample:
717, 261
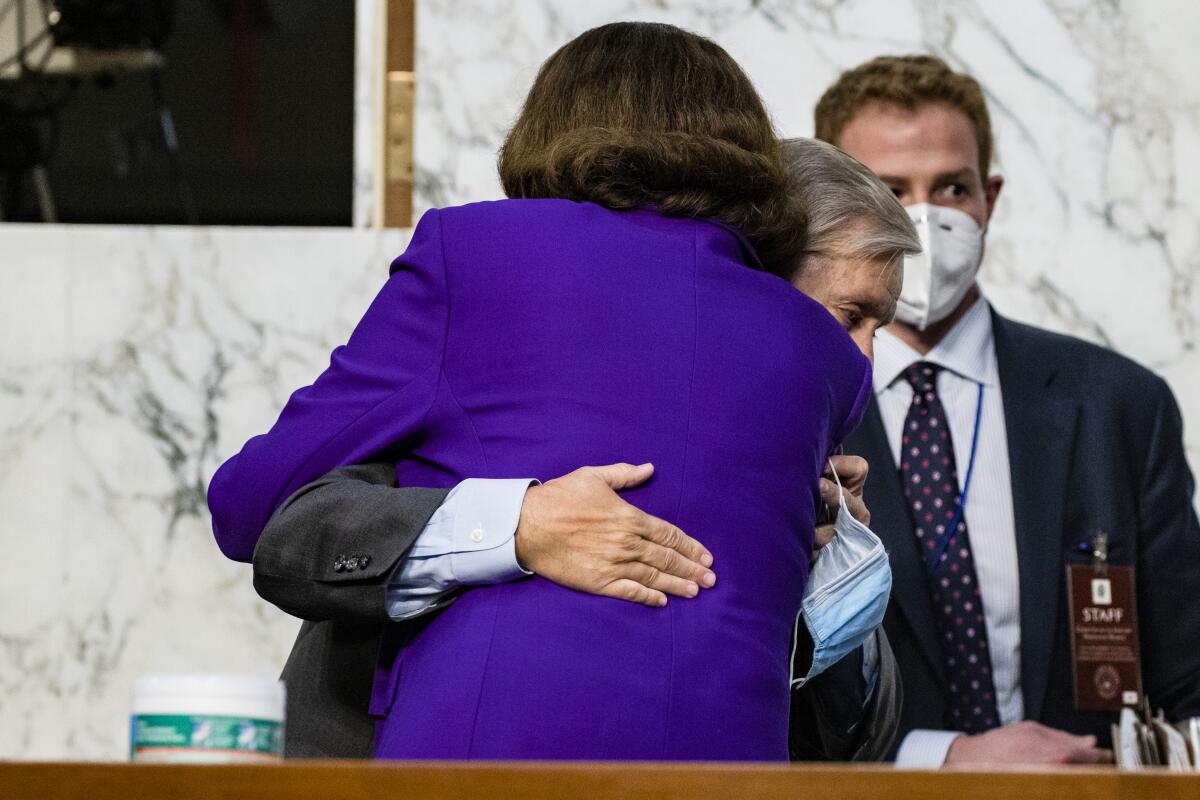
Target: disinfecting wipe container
214, 719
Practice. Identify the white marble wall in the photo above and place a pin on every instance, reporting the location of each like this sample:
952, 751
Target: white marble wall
133, 360
1095, 105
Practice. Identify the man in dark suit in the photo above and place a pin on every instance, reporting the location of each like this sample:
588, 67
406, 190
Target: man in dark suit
1051, 441
327, 555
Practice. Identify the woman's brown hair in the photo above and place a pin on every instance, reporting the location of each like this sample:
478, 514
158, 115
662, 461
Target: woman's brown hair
637, 114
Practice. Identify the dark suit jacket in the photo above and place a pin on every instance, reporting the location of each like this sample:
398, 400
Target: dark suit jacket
1095, 443
355, 514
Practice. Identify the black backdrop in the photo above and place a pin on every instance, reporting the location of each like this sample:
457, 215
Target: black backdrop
262, 97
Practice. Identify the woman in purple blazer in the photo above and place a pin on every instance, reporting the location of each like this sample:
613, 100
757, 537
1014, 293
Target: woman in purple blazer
649, 225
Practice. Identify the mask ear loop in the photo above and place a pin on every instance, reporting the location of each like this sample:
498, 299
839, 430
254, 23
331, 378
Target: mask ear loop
793, 681
838, 481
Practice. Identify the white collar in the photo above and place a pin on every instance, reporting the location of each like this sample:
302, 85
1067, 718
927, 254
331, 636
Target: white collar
967, 350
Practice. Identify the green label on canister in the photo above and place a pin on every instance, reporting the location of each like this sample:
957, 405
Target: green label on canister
178, 733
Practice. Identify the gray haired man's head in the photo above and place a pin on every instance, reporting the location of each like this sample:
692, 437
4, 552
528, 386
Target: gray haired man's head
851, 213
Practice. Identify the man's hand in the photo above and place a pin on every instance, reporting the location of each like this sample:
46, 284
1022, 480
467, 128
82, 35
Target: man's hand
1027, 742
577, 532
852, 471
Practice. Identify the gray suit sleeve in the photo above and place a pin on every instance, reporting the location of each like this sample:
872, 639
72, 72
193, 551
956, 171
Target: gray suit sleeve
328, 677
879, 735
328, 551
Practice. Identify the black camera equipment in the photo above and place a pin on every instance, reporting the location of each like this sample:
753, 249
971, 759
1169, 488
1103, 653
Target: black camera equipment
110, 39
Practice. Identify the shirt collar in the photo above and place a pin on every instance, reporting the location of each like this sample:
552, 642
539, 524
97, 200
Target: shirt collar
967, 350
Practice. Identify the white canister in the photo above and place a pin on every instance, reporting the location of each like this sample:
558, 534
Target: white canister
211, 719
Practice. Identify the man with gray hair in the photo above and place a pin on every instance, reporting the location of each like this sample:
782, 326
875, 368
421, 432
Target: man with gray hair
857, 236
410, 551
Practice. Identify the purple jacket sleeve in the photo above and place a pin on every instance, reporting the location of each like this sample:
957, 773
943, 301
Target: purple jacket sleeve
375, 394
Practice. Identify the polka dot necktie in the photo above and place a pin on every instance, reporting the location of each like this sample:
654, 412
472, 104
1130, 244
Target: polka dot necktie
931, 485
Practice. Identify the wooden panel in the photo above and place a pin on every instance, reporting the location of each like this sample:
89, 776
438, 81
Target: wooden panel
400, 55
526, 781
401, 50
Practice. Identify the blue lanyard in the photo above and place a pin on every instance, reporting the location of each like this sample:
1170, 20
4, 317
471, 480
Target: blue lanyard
936, 555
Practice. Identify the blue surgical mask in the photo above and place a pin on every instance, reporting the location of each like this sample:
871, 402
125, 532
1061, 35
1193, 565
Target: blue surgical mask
847, 592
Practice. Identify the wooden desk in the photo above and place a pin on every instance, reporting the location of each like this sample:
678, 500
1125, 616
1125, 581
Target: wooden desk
463, 781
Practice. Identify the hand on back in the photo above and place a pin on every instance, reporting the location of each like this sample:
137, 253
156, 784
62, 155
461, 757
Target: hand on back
577, 532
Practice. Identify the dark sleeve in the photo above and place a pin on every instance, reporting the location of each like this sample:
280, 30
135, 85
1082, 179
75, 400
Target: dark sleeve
329, 675
831, 718
327, 552
1168, 575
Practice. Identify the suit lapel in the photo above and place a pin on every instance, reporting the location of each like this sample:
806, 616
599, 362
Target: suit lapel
1040, 416
892, 522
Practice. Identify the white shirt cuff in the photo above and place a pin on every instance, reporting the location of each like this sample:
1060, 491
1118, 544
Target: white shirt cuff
486, 513
469, 540
925, 749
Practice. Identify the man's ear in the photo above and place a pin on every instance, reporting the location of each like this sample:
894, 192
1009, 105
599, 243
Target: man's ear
991, 192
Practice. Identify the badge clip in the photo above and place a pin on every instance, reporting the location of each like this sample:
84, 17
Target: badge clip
1100, 553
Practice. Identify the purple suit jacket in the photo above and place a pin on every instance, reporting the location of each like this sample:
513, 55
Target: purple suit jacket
526, 338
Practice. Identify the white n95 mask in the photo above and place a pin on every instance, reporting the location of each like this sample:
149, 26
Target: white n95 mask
938, 278
847, 592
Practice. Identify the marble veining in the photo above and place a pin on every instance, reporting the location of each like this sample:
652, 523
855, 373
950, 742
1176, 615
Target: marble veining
1095, 107
133, 360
